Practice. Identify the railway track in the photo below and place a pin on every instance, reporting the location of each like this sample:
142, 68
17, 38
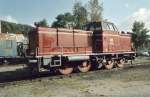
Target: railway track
24, 79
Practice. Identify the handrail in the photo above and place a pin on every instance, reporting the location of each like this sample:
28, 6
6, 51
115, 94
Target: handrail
61, 52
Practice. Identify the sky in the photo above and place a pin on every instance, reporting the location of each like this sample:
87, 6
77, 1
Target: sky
121, 12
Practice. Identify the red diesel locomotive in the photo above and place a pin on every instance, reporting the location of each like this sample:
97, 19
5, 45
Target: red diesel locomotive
101, 44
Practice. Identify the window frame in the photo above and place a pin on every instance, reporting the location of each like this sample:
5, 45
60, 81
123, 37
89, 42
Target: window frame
105, 26
95, 26
111, 26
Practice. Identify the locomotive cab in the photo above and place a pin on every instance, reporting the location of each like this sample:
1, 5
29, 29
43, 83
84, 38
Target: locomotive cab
106, 38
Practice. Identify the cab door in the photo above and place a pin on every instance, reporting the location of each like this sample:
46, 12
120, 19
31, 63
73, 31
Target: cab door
97, 42
96, 37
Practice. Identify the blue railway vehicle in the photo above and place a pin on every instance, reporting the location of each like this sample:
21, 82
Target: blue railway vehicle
11, 51
8, 48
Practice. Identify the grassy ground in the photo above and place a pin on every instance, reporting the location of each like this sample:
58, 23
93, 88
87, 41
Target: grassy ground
141, 59
128, 82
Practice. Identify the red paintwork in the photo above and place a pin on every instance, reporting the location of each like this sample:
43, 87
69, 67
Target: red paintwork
116, 42
125, 42
51, 41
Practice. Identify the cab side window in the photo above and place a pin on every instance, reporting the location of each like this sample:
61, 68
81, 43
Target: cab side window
111, 27
115, 28
93, 26
105, 26
98, 26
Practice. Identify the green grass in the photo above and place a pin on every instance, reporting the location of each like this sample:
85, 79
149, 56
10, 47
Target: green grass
141, 59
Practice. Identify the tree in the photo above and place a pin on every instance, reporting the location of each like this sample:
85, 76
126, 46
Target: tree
8, 27
59, 21
69, 19
95, 10
140, 37
42, 23
80, 15
63, 20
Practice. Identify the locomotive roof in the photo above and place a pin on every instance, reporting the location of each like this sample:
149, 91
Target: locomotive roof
4, 36
105, 21
62, 30
17, 37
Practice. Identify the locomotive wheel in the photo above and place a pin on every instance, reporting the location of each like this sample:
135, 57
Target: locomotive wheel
65, 70
109, 65
84, 67
120, 63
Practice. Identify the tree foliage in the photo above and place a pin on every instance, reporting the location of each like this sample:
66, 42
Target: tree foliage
63, 20
140, 37
8, 27
42, 23
95, 10
80, 15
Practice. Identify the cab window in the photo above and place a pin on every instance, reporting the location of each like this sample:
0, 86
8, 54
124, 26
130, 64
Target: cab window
115, 28
93, 26
105, 26
111, 27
